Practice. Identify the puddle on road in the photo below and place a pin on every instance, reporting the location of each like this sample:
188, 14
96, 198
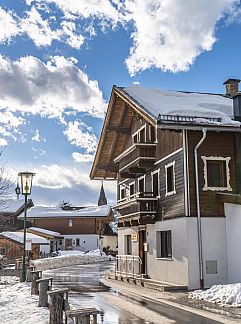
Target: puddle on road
83, 281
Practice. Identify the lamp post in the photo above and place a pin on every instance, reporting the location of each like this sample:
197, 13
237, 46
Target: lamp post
26, 179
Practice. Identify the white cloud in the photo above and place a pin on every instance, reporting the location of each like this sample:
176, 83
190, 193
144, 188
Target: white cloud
174, 32
3, 142
57, 176
8, 24
38, 153
37, 137
82, 158
69, 32
80, 135
38, 29
31, 86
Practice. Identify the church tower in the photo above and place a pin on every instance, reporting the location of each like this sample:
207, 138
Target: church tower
102, 198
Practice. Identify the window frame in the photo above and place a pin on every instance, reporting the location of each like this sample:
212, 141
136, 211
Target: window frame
130, 184
138, 180
173, 192
70, 222
168, 247
128, 244
216, 158
152, 188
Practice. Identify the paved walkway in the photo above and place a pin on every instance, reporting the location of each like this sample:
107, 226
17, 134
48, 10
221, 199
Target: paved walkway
165, 303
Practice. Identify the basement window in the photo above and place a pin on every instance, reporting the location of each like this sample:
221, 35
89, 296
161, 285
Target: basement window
170, 179
216, 173
164, 244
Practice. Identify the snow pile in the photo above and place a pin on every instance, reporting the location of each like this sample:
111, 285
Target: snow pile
225, 295
18, 306
96, 253
8, 280
70, 252
70, 260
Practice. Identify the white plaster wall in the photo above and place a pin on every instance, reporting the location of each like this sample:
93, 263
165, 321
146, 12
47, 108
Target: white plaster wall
87, 242
45, 248
173, 270
233, 229
110, 241
214, 249
122, 231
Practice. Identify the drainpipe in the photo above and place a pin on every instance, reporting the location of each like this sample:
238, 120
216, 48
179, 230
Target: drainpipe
199, 227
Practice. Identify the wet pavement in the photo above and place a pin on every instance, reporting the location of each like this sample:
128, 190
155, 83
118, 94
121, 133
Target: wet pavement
83, 281
85, 291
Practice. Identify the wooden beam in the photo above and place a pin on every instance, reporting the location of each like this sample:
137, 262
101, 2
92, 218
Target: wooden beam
137, 170
110, 167
119, 130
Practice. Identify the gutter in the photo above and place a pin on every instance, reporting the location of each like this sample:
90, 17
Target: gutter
199, 225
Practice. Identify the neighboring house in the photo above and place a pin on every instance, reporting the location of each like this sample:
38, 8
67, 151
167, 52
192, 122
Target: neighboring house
55, 239
11, 245
176, 157
9, 212
82, 228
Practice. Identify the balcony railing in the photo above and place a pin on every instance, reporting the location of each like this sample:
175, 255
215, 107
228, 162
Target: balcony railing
128, 266
137, 159
143, 207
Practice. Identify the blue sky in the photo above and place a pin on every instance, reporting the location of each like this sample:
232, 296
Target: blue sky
59, 60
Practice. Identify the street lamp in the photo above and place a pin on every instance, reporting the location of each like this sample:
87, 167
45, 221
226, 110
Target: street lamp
26, 179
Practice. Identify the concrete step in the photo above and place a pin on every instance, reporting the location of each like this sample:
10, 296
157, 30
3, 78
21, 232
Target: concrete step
162, 286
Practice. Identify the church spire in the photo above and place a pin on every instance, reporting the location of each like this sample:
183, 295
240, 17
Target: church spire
102, 198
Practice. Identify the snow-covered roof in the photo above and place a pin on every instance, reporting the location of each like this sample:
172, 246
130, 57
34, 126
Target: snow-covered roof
11, 206
156, 102
56, 212
44, 231
18, 237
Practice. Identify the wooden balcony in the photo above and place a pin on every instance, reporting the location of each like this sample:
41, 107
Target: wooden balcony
139, 210
136, 160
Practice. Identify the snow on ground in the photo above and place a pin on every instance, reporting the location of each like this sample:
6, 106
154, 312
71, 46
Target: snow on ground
70, 259
17, 304
71, 252
225, 295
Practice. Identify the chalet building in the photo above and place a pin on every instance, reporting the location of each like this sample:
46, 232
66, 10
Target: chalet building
9, 212
11, 245
176, 158
81, 228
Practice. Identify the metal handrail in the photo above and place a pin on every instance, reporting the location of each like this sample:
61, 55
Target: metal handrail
128, 265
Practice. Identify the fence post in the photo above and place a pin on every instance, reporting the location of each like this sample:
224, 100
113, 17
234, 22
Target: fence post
35, 275
56, 305
44, 286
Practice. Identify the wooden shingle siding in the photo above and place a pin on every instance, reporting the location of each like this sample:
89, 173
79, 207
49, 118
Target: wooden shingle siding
220, 144
168, 142
172, 206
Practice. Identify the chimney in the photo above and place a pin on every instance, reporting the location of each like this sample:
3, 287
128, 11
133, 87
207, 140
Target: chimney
231, 87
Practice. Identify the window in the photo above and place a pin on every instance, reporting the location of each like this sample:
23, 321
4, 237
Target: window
70, 223
122, 192
77, 242
155, 183
216, 173
60, 242
132, 189
141, 185
128, 247
164, 244
170, 179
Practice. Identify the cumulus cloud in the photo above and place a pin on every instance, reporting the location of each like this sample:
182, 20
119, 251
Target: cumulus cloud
80, 135
31, 86
174, 33
10, 28
37, 138
82, 158
67, 177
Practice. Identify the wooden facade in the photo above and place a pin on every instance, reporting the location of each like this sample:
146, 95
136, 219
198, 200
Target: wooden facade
133, 147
